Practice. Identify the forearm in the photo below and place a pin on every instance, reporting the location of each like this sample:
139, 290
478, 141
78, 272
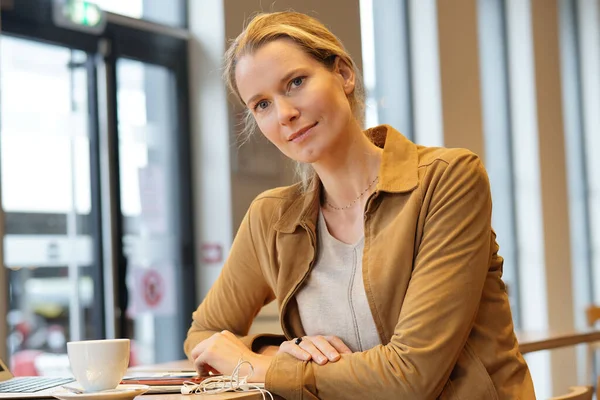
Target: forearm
382, 372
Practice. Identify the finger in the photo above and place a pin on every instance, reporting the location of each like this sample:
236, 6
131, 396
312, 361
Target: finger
201, 362
201, 347
326, 348
293, 350
338, 344
210, 370
203, 368
314, 351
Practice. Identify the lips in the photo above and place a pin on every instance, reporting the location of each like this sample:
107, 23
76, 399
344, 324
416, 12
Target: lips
301, 132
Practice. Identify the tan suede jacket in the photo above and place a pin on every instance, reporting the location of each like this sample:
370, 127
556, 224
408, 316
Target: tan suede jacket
431, 272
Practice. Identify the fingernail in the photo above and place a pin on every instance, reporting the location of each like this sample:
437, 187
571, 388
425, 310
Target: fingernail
334, 356
321, 359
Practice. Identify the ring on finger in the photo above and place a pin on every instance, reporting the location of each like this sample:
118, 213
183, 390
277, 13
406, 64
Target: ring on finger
297, 341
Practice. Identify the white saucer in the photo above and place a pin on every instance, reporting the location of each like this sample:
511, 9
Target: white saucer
122, 392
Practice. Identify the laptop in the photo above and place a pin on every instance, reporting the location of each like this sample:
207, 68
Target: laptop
28, 387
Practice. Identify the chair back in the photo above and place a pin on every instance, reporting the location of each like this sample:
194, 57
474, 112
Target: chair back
592, 314
577, 393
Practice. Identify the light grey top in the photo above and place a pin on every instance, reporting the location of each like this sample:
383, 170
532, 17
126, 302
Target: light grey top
332, 300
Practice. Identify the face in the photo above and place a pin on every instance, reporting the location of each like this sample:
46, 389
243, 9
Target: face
299, 104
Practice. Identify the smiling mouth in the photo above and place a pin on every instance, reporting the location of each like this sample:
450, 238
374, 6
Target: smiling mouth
301, 132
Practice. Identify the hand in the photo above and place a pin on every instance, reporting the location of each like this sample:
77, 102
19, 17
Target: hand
221, 353
321, 349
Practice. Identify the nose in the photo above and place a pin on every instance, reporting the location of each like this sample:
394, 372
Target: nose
287, 112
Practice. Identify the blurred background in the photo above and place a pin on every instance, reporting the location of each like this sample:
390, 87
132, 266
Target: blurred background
123, 183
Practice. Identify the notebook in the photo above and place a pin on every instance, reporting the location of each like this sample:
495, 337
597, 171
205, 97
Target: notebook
28, 387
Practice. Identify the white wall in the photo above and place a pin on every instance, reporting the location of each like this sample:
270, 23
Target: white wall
209, 137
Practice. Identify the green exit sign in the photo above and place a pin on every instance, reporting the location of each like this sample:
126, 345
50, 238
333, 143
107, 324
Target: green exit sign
80, 15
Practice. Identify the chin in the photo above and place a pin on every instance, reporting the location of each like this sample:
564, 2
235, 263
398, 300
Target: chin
311, 158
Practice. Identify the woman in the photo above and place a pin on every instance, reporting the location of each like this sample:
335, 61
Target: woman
382, 259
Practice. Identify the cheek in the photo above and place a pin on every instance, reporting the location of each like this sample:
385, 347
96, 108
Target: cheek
269, 127
331, 102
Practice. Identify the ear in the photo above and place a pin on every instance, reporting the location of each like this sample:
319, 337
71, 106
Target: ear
346, 74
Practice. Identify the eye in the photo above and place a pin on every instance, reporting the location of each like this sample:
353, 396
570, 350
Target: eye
297, 81
261, 105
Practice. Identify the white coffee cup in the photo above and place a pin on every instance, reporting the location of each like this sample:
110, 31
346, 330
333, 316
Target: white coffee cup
99, 364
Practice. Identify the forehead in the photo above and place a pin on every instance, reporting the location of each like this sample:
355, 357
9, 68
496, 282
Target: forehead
265, 67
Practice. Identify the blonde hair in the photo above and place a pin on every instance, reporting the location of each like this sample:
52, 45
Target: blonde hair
312, 37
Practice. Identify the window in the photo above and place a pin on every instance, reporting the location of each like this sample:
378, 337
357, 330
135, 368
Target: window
401, 67
172, 12
498, 142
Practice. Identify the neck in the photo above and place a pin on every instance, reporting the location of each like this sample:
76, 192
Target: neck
350, 169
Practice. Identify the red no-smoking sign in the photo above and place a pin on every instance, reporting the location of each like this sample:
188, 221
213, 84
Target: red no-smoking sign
153, 290
153, 287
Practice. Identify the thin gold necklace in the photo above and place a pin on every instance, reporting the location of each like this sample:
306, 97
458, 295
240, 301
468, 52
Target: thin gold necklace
353, 201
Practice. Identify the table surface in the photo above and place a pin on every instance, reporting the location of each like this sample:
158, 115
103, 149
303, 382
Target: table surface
529, 341
224, 396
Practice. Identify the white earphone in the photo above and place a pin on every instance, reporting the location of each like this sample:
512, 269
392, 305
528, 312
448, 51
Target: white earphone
185, 389
226, 383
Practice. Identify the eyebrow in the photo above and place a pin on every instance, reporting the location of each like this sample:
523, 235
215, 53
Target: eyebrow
283, 80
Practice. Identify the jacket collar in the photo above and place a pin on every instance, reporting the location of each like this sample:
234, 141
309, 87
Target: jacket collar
397, 174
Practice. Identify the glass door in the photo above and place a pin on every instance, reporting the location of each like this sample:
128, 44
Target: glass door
54, 288
149, 198
95, 186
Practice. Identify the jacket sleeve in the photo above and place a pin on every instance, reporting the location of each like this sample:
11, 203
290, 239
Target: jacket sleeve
237, 296
438, 311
